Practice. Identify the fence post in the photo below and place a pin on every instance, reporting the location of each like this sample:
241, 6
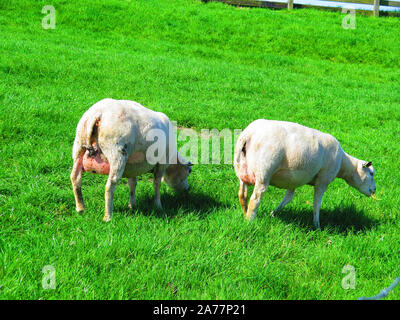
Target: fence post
376, 8
290, 4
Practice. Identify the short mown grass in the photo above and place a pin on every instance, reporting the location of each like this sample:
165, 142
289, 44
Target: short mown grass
205, 66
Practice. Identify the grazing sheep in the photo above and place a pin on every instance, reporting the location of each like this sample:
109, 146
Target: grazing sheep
115, 137
288, 155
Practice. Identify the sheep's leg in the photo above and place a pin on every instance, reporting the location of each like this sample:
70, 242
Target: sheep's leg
288, 197
157, 187
158, 174
318, 193
117, 167
255, 200
76, 180
243, 196
132, 187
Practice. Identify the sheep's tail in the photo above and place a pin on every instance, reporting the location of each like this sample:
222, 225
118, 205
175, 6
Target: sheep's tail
240, 148
86, 134
91, 130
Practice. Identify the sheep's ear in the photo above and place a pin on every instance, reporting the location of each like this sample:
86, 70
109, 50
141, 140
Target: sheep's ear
189, 164
367, 164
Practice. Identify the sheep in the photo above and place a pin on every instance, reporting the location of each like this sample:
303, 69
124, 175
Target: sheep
288, 155
116, 138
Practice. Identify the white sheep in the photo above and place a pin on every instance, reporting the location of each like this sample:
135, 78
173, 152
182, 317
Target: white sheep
114, 137
288, 155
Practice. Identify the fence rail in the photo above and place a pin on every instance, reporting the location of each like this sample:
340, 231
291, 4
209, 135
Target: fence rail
374, 6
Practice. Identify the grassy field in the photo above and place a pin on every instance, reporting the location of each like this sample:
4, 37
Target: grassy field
205, 66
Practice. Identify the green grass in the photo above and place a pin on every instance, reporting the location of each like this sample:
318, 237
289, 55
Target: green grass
205, 66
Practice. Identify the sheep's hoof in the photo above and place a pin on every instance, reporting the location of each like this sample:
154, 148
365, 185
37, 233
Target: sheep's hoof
272, 214
158, 206
317, 226
80, 209
106, 218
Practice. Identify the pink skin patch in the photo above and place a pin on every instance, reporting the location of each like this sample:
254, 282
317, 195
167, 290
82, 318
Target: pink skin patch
245, 176
95, 164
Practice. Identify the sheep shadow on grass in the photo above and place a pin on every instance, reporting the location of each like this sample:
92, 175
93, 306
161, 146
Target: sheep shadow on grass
339, 220
173, 203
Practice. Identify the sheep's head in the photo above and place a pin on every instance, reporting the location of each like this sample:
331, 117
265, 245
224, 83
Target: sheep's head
176, 174
363, 178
